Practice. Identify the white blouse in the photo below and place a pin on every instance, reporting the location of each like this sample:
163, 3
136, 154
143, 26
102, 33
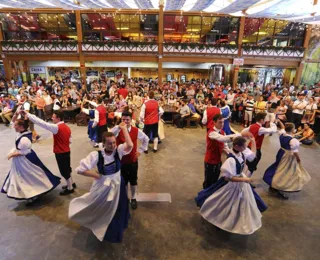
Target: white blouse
229, 169
24, 144
91, 160
294, 143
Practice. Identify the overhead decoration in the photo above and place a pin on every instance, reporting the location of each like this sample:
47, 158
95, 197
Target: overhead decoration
305, 11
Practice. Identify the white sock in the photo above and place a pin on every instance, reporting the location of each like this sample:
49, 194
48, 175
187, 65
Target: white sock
133, 191
69, 183
155, 143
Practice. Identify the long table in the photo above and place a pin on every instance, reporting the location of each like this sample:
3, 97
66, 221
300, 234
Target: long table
70, 113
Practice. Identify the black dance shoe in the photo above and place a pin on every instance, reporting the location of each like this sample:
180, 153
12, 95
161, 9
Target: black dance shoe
282, 196
64, 187
134, 204
154, 150
66, 192
146, 152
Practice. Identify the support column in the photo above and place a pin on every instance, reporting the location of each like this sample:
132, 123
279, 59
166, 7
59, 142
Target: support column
240, 35
297, 79
235, 76
129, 73
160, 42
81, 55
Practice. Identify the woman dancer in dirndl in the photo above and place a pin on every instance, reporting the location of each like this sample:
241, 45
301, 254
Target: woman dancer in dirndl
105, 208
287, 174
28, 177
231, 203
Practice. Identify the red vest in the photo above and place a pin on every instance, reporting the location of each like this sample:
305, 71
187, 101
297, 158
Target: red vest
214, 149
211, 112
254, 129
102, 115
151, 115
61, 140
131, 157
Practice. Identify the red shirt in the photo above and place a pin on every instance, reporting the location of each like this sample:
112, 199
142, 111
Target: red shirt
132, 156
102, 115
151, 112
61, 140
123, 92
254, 130
211, 112
214, 149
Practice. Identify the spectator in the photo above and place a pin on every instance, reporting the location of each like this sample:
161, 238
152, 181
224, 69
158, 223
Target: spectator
306, 135
184, 112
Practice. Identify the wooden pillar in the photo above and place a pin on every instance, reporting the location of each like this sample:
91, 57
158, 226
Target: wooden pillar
235, 76
307, 36
160, 42
6, 62
298, 74
240, 35
80, 39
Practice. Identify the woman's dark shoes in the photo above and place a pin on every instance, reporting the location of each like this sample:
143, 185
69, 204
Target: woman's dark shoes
73, 186
282, 196
66, 192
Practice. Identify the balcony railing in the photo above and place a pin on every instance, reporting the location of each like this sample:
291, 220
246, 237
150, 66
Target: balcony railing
39, 46
120, 47
272, 51
200, 49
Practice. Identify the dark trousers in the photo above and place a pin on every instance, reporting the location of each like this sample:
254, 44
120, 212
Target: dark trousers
252, 166
178, 120
211, 174
100, 131
129, 173
296, 119
151, 129
40, 113
63, 160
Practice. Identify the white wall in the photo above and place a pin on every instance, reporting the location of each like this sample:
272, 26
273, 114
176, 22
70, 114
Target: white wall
54, 63
122, 64
135, 64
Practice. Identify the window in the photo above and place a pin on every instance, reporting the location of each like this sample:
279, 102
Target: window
30, 26
273, 32
209, 29
125, 27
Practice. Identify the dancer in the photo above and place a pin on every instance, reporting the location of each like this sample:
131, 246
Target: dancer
28, 177
150, 115
226, 113
129, 163
216, 143
100, 120
61, 146
209, 113
258, 132
104, 209
92, 131
231, 204
287, 173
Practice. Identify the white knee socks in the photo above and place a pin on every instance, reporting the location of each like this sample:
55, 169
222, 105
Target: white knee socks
155, 143
133, 191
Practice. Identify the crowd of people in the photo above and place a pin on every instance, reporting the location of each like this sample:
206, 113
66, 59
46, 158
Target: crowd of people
118, 113
239, 105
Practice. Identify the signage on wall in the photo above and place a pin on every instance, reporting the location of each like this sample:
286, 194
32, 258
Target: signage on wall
238, 61
169, 77
110, 74
38, 70
92, 73
183, 78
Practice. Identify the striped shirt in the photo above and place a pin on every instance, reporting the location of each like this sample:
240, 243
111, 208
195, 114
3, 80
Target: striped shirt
249, 105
